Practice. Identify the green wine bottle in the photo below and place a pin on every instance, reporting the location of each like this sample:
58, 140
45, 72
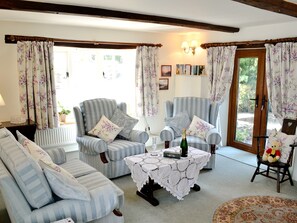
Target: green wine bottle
184, 144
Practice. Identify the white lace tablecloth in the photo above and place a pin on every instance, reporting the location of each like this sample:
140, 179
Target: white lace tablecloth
175, 175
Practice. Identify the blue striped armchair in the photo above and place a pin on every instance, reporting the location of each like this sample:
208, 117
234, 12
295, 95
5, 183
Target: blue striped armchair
191, 106
108, 158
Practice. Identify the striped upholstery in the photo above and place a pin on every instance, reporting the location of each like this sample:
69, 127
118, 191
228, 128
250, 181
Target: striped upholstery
201, 107
77, 168
57, 155
26, 172
119, 149
92, 111
92, 148
105, 195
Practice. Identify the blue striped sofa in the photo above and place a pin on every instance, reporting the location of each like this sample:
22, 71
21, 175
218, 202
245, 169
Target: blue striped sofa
107, 158
28, 197
204, 109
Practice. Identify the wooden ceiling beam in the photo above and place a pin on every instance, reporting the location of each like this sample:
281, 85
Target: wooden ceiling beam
108, 14
278, 6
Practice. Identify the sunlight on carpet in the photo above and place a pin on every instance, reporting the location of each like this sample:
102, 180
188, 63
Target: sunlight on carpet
238, 155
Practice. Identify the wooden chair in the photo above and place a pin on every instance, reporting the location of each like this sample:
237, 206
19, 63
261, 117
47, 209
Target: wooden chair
280, 168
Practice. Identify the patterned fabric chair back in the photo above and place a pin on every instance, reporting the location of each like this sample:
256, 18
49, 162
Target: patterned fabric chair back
201, 107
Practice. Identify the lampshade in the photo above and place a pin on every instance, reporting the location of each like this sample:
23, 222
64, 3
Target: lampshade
1, 101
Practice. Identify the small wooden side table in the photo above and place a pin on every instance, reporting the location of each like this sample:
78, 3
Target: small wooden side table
28, 129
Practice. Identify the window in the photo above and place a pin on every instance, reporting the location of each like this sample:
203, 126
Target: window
83, 74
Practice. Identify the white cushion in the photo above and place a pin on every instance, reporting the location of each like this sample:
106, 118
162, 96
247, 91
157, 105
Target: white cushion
62, 183
286, 141
199, 127
105, 130
123, 120
36, 151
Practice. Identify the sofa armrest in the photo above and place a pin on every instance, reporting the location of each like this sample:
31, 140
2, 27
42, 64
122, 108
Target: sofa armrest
167, 134
139, 136
91, 145
213, 137
58, 155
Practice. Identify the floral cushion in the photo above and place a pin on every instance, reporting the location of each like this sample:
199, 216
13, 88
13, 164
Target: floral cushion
105, 130
123, 120
199, 127
36, 151
62, 183
285, 140
178, 122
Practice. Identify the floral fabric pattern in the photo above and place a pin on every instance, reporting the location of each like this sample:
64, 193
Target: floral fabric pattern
147, 87
219, 67
281, 76
37, 83
105, 130
199, 127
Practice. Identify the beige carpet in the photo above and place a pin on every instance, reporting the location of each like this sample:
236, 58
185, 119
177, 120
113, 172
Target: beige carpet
257, 209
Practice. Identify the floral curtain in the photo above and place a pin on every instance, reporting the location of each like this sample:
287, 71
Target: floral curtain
220, 64
281, 76
37, 83
147, 87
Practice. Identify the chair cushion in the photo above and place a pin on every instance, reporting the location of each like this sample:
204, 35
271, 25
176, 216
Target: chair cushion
36, 152
199, 128
178, 122
119, 149
123, 120
105, 130
63, 183
25, 171
285, 141
77, 168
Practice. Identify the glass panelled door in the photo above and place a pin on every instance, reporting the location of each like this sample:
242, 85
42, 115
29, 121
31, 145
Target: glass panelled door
248, 100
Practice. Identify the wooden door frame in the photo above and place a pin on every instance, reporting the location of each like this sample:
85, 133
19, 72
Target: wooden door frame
258, 114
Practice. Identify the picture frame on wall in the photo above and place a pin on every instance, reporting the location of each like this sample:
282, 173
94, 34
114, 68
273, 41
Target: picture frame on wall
188, 69
201, 70
163, 83
166, 70
194, 70
180, 69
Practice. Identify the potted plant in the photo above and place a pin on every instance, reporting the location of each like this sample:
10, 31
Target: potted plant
63, 113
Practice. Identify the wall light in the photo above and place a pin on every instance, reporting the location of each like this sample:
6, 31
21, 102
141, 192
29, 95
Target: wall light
189, 47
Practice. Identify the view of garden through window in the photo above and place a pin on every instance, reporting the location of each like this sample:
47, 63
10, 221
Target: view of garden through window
245, 107
83, 74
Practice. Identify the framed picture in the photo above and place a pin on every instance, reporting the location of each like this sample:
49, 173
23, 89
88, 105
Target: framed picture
194, 70
201, 70
166, 70
180, 69
163, 83
188, 69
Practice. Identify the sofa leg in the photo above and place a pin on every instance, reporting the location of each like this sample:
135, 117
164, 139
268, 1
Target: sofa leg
167, 144
117, 213
103, 158
213, 149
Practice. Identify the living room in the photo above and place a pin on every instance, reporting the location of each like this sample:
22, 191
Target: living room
170, 53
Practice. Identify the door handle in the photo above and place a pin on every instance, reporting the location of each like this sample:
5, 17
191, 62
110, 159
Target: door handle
263, 102
256, 100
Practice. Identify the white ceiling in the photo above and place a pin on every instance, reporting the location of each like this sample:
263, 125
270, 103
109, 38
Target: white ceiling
218, 12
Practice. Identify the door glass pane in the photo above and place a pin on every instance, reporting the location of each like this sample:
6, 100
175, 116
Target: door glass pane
247, 80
